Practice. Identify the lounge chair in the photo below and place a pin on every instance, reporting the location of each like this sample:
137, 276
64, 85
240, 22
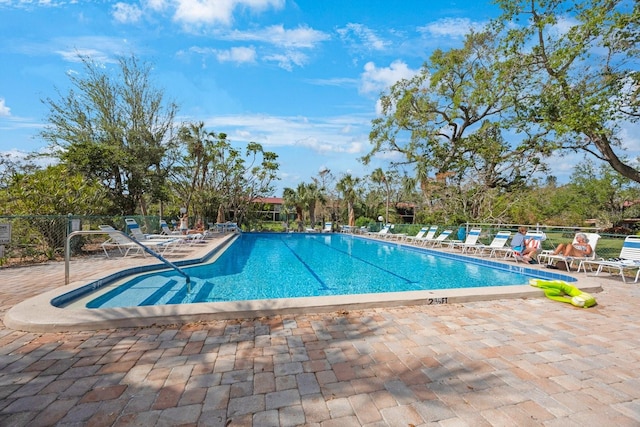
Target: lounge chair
136, 232
498, 243
470, 241
166, 231
328, 227
429, 235
384, 230
438, 241
226, 227
535, 238
550, 258
628, 260
418, 235
394, 236
124, 245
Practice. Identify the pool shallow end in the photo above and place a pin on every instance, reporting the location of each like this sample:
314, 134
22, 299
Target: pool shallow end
39, 315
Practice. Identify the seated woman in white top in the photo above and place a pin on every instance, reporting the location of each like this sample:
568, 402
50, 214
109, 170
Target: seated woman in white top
580, 248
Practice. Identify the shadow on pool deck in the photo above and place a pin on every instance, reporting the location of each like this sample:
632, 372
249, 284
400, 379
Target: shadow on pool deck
527, 361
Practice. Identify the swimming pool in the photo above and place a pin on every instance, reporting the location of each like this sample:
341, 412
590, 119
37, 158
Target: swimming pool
259, 266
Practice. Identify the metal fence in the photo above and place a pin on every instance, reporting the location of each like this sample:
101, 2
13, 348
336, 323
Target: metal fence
29, 239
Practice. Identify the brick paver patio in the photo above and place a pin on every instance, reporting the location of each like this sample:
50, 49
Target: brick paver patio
523, 362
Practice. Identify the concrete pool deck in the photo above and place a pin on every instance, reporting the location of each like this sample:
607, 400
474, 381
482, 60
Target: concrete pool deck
525, 361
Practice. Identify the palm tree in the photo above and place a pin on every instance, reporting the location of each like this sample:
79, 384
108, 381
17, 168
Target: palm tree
347, 186
379, 177
313, 195
294, 198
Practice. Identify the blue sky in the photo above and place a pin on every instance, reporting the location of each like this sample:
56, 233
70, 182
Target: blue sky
302, 78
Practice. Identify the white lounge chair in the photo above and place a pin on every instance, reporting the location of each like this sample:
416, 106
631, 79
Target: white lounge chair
124, 245
438, 241
165, 230
550, 258
419, 235
136, 232
470, 241
429, 235
628, 260
328, 227
498, 243
381, 234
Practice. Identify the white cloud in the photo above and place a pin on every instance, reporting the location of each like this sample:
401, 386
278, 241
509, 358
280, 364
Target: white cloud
217, 11
362, 37
157, 5
237, 54
450, 27
338, 82
342, 134
287, 60
301, 37
376, 80
95, 55
4, 110
126, 13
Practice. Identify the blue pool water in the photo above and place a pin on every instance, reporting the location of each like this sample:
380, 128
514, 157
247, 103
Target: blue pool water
272, 265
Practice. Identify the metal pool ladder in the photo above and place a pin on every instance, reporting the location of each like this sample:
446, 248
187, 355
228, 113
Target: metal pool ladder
67, 254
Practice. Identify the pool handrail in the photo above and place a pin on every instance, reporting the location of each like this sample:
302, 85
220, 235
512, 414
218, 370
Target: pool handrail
67, 252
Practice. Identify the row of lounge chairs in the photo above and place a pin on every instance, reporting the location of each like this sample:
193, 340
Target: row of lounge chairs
627, 261
165, 242
427, 237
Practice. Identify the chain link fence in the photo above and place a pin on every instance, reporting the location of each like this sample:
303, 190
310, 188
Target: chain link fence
30, 239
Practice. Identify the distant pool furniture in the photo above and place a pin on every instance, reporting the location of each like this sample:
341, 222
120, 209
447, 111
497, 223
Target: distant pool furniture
438, 241
328, 227
498, 243
383, 231
165, 230
419, 235
136, 232
469, 242
226, 227
628, 260
429, 235
117, 241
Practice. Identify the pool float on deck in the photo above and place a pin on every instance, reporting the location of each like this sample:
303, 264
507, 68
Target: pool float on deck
559, 290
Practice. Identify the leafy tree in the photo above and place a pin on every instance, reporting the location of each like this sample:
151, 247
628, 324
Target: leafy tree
53, 191
50, 193
602, 193
214, 178
440, 119
114, 127
578, 77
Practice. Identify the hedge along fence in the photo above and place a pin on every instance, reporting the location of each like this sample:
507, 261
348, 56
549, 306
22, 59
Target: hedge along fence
40, 238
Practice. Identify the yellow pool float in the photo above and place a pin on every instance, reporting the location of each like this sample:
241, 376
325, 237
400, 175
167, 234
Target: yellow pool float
559, 290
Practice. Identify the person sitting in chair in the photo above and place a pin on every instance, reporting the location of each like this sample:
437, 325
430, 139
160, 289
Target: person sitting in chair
521, 245
580, 248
